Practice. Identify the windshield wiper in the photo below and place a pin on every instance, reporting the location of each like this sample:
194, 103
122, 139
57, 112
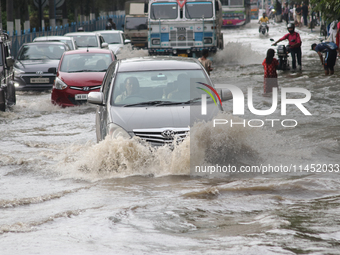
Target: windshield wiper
192, 100
156, 103
76, 71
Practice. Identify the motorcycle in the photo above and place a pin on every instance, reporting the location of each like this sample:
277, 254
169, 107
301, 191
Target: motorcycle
283, 54
263, 28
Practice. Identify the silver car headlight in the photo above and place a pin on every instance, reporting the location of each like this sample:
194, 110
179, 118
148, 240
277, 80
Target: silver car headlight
116, 131
59, 84
17, 71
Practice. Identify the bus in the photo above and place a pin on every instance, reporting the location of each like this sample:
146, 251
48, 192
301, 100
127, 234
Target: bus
184, 28
235, 12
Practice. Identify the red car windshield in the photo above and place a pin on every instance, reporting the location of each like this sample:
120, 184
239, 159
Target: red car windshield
86, 62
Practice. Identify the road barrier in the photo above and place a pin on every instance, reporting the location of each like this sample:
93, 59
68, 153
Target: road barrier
88, 26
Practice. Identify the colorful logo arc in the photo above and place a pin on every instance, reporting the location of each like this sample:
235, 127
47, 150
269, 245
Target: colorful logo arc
209, 93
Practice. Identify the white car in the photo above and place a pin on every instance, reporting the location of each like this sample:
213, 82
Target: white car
115, 39
65, 39
89, 40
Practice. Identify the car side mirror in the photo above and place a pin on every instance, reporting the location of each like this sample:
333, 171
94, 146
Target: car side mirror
105, 45
126, 41
52, 70
225, 95
96, 98
9, 61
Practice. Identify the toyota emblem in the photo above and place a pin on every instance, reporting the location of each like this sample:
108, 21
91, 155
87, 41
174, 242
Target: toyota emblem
168, 133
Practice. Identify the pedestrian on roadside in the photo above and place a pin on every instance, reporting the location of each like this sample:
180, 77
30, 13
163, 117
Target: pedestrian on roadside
294, 45
305, 14
270, 65
205, 61
332, 31
337, 41
330, 51
298, 15
110, 25
286, 13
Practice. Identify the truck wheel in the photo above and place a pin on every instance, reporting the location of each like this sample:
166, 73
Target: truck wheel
221, 46
2, 100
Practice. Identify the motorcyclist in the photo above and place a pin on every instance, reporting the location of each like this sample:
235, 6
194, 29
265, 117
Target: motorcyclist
264, 19
294, 44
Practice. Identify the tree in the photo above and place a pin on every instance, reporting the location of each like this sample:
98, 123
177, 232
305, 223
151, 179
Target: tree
329, 9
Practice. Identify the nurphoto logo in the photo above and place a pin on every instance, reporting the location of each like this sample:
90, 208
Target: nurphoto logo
239, 102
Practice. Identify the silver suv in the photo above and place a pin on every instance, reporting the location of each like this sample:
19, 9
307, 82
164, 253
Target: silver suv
154, 98
7, 90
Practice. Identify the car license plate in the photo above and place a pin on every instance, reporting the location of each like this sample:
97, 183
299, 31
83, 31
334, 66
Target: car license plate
80, 97
229, 22
183, 55
139, 44
40, 80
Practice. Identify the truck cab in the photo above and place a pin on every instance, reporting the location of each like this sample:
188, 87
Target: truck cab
136, 23
184, 28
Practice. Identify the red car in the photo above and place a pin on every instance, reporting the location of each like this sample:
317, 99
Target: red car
80, 72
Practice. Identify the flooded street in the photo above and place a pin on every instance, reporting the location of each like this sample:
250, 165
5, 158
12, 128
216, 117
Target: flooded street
62, 193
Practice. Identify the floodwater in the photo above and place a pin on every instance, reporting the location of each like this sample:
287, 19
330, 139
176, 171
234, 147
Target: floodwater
62, 193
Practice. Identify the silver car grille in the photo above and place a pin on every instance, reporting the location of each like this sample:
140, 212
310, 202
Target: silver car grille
161, 136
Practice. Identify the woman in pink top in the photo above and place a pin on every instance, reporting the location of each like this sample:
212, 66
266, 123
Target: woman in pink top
270, 75
338, 37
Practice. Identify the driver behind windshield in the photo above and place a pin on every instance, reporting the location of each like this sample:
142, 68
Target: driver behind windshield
131, 88
182, 91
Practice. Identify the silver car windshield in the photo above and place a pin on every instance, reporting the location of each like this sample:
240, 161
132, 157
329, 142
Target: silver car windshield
86, 62
68, 42
112, 38
158, 87
86, 40
33, 52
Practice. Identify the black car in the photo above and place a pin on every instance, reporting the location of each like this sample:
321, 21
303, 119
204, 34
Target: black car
7, 91
31, 67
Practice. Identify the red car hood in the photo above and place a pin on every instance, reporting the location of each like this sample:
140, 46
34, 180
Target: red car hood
82, 79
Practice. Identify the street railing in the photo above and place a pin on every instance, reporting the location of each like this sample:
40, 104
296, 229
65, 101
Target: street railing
88, 26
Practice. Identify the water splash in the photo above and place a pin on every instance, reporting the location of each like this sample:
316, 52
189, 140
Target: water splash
237, 53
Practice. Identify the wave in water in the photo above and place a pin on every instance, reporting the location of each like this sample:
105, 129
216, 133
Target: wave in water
237, 53
206, 145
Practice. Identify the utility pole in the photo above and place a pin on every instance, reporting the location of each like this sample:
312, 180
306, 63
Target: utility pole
0, 17
40, 14
9, 10
52, 14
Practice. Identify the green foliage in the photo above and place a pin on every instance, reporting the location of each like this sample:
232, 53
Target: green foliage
330, 9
